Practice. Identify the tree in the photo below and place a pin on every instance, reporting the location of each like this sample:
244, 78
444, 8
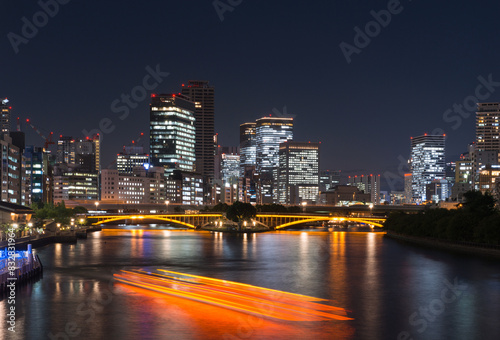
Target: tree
476, 202
239, 211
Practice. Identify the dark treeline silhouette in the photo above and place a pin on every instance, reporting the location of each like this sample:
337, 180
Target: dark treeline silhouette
476, 220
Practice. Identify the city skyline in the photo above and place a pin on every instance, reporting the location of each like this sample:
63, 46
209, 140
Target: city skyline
382, 89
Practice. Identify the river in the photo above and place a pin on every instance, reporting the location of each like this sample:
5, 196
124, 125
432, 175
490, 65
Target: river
391, 290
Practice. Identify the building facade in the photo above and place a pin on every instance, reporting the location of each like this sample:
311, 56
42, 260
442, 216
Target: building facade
172, 132
270, 132
203, 95
5, 116
298, 172
427, 163
368, 184
141, 186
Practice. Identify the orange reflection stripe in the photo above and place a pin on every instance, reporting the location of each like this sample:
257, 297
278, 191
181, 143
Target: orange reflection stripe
296, 308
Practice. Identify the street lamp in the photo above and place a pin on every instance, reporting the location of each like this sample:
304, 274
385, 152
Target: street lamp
304, 206
96, 205
167, 203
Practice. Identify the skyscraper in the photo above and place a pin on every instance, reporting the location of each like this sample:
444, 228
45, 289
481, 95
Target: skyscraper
203, 96
5, 116
298, 175
270, 132
427, 163
248, 147
487, 147
172, 132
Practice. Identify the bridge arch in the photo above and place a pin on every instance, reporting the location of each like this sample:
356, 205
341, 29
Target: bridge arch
149, 217
372, 221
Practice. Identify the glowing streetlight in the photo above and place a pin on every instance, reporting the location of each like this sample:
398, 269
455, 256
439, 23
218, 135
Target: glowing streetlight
96, 204
304, 206
167, 203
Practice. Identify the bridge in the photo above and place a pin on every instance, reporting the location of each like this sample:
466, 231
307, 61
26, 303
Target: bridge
271, 221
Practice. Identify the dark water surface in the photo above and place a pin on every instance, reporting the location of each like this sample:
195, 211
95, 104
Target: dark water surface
392, 290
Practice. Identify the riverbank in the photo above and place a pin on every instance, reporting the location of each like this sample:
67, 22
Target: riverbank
486, 250
50, 238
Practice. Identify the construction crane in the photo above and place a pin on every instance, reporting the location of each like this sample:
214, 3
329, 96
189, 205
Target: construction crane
48, 141
134, 142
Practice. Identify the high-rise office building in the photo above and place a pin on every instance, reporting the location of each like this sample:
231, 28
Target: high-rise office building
203, 95
270, 132
486, 149
248, 146
11, 186
65, 150
5, 116
368, 184
88, 154
427, 163
172, 132
298, 173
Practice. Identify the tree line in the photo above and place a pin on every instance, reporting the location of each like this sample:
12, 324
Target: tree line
475, 220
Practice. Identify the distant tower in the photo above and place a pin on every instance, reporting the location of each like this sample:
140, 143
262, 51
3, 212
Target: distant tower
248, 147
203, 96
172, 132
5, 116
270, 132
427, 163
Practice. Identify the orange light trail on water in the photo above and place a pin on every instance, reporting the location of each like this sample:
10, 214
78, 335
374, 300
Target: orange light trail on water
243, 297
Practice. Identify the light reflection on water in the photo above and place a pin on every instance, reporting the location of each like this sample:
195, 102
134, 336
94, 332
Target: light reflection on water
381, 281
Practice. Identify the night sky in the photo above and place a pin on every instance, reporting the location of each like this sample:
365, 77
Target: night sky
264, 55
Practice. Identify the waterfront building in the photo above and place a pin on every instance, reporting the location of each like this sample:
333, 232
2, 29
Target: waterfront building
11, 171
427, 163
270, 132
203, 95
298, 172
369, 184
39, 167
172, 132
73, 184
191, 185
143, 185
